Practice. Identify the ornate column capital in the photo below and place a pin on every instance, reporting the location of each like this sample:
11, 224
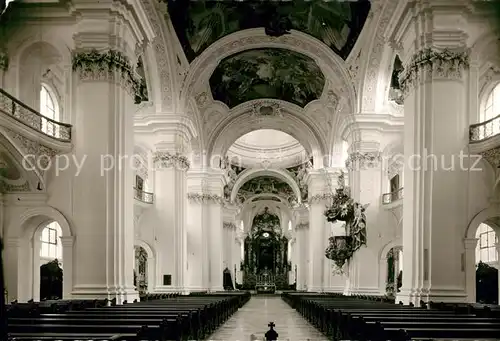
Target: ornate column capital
110, 66
164, 159
431, 63
363, 160
470, 243
229, 225
302, 226
205, 198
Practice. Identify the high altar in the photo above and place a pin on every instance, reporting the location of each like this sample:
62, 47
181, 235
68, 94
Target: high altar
266, 266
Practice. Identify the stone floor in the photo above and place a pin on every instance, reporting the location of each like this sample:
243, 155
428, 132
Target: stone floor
250, 322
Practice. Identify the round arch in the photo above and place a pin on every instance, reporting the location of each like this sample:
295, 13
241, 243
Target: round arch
241, 120
255, 196
151, 263
332, 66
25, 233
382, 262
250, 174
489, 212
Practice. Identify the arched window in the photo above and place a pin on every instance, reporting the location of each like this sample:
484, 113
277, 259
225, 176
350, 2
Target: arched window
289, 225
486, 250
50, 243
49, 109
492, 105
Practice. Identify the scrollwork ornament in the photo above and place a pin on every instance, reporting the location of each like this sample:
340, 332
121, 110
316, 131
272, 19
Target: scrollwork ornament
318, 198
430, 63
205, 198
163, 160
229, 225
361, 161
111, 66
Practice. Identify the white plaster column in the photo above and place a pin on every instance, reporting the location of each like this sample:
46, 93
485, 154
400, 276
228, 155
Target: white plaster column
12, 264
170, 205
68, 265
301, 217
435, 96
365, 182
210, 213
469, 265
103, 190
198, 229
320, 189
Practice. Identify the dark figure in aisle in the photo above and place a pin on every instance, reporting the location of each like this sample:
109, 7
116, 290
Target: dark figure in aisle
271, 334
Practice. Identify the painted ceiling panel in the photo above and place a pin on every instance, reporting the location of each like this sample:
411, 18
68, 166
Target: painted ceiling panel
267, 73
200, 23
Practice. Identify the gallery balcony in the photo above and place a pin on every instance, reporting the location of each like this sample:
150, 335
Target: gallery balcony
484, 136
21, 119
393, 199
143, 197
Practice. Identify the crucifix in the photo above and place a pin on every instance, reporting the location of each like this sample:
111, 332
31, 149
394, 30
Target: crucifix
271, 334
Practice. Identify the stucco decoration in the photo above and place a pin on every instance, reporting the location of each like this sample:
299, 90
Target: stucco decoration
267, 185
430, 63
331, 65
373, 60
163, 159
361, 161
205, 198
36, 155
161, 52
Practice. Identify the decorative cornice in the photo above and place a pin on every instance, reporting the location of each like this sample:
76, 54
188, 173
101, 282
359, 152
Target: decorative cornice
110, 66
229, 226
164, 160
205, 198
430, 64
320, 197
363, 160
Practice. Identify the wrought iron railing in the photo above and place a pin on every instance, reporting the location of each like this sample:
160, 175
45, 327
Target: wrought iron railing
143, 196
388, 198
33, 119
482, 131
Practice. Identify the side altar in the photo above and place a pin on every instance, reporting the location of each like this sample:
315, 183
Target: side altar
265, 266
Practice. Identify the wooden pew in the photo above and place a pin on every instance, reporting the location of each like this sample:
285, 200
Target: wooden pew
362, 318
173, 318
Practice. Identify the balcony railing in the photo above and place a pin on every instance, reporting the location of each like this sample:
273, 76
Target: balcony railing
482, 131
33, 119
143, 196
389, 198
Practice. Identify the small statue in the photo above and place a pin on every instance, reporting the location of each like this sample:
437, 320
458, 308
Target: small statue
271, 334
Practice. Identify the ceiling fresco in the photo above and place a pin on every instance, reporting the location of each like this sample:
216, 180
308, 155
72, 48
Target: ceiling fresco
200, 23
267, 73
266, 185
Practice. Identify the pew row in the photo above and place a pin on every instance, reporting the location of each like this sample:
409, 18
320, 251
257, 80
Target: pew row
174, 318
350, 318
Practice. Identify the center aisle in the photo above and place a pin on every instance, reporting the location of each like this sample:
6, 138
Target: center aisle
254, 317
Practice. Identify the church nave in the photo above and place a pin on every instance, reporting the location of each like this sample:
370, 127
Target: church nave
254, 317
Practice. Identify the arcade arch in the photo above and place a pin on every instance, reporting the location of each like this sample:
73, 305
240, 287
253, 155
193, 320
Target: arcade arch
24, 239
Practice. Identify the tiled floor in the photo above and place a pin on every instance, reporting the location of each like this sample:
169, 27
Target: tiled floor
254, 317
